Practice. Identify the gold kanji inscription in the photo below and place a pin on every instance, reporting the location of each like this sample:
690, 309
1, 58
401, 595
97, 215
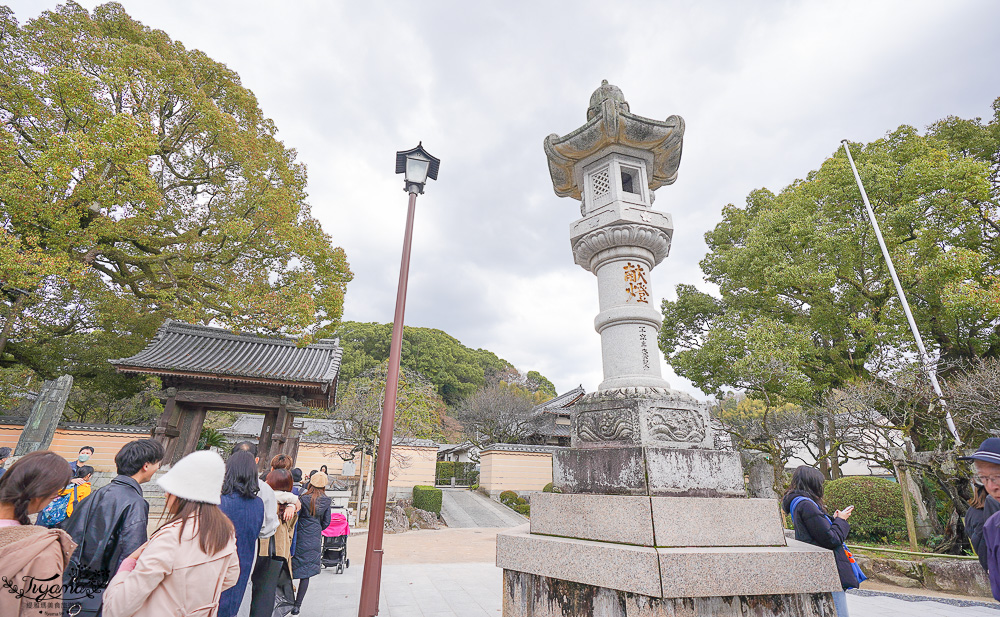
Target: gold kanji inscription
635, 283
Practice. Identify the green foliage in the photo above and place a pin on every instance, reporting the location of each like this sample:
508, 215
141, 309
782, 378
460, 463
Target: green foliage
523, 509
211, 438
464, 473
359, 411
538, 383
547, 488
806, 302
427, 498
520, 501
455, 370
878, 507
508, 498
142, 181
445, 470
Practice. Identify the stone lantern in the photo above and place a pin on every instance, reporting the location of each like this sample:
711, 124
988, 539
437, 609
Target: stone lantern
648, 519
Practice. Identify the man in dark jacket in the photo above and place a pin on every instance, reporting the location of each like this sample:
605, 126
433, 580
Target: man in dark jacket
987, 463
110, 524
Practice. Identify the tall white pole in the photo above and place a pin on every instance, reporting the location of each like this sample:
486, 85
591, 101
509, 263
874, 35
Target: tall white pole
924, 358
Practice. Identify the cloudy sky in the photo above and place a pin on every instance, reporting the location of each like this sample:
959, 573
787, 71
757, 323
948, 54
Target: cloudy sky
767, 89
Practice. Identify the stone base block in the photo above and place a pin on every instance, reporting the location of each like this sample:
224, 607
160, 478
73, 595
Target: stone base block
531, 595
647, 470
658, 521
671, 572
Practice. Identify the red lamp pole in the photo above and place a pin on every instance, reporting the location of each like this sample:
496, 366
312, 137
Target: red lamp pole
372, 576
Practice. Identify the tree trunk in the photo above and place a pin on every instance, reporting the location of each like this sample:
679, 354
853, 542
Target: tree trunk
12, 315
835, 455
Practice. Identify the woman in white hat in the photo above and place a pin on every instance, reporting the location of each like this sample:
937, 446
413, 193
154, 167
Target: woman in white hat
184, 567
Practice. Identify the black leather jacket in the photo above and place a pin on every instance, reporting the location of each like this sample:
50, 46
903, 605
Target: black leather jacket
108, 526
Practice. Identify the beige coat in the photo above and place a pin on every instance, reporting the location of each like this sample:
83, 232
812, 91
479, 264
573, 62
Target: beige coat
32, 560
173, 577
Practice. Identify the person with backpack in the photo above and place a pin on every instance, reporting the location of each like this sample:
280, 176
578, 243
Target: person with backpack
29, 552
60, 508
191, 559
804, 502
80, 490
108, 526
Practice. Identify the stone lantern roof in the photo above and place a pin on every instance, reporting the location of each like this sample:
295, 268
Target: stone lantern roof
611, 127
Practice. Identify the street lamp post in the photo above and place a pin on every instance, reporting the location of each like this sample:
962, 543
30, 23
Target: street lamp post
417, 165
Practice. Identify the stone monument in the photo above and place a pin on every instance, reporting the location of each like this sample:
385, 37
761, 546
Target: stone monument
648, 519
45, 416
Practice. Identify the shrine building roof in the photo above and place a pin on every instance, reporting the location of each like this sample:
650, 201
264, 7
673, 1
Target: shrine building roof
215, 353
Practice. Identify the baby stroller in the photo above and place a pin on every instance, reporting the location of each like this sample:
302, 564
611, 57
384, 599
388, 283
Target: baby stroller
335, 542
335, 553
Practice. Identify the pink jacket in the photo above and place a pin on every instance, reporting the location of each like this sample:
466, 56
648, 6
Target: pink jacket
173, 577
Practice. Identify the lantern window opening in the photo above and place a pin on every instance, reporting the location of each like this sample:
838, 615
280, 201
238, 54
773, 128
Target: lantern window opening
630, 180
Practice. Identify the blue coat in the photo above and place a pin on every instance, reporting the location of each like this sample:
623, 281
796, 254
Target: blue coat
247, 515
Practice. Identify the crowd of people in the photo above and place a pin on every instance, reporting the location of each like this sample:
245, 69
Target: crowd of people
88, 554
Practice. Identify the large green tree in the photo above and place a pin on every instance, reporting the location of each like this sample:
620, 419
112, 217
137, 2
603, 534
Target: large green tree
455, 370
802, 283
140, 180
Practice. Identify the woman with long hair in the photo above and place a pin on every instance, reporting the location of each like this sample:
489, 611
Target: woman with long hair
272, 575
981, 507
30, 552
313, 519
191, 559
814, 526
246, 511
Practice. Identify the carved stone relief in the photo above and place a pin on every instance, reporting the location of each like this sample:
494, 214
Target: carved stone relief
606, 425
677, 425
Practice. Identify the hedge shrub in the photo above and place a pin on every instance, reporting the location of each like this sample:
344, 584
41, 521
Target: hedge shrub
445, 471
508, 498
464, 473
547, 488
878, 507
524, 509
427, 498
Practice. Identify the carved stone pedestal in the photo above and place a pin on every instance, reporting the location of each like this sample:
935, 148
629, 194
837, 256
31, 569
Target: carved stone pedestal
617, 555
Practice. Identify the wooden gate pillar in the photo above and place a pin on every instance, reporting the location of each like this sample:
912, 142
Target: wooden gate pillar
167, 427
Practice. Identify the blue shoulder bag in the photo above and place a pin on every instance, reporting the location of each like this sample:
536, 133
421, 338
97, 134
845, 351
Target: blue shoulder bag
850, 557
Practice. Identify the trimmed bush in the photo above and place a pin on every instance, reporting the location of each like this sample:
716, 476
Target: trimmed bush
523, 508
878, 507
445, 471
464, 473
427, 498
547, 488
508, 498
520, 501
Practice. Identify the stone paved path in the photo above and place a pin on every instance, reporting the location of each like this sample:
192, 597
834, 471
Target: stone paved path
464, 508
451, 573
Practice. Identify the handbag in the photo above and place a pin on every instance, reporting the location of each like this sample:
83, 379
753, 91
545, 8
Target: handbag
284, 593
858, 574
